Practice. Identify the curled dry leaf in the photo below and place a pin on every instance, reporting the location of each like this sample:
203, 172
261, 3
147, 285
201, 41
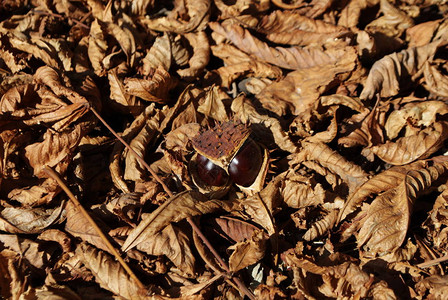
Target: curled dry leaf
300, 89
410, 148
155, 88
352, 174
55, 151
245, 111
384, 228
175, 209
436, 81
109, 273
289, 27
198, 15
422, 113
393, 22
32, 220
200, 57
289, 58
173, 242
248, 252
389, 75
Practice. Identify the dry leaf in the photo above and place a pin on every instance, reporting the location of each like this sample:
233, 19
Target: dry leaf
108, 273
177, 208
384, 228
289, 58
410, 148
155, 88
248, 252
390, 75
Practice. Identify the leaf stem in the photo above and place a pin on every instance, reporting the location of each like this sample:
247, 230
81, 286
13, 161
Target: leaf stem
53, 174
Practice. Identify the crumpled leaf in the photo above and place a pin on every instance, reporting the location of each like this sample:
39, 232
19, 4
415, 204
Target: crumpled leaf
389, 75
384, 228
261, 206
248, 252
410, 148
289, 27
173, 242
378, 184
393, 22
109, 273
32, 220
352, 174
417, 113
292, 58
245, 111
436, 81
175, 209
55, 150
197, 17
200, 57
300, 89
154, 88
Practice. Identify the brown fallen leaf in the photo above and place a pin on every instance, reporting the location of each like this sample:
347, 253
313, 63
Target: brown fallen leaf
289, 58
410, 148
154, 88
175, 209
173, 242
55, 150
197, 17
201, 56
300, 89
352, 174
109, 274
289, 27
385, 226
248, 252
390, 75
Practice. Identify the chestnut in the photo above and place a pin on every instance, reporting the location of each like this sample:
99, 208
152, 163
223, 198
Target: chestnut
210, 173
246, 164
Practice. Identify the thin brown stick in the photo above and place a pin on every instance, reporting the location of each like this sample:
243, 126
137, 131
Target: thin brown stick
78, 205
243, 289
432, 262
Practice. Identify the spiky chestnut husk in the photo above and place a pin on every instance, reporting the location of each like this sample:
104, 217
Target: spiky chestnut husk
228, 148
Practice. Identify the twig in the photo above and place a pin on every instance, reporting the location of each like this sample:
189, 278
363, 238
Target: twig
432, 262
78, 205
243, 289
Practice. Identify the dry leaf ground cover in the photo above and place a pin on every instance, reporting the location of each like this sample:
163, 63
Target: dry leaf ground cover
263, 149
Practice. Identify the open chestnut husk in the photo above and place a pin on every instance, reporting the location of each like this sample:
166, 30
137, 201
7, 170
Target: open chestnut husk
226, 154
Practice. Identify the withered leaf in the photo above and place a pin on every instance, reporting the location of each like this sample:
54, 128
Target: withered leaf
289, 58
389, 75
410, 148
178, 207
32, 220
200, 57
54, 151
109, 273
248, 252
385, 226
155, 88
352, 174
173, 242
290, 27
300, 89
198, 15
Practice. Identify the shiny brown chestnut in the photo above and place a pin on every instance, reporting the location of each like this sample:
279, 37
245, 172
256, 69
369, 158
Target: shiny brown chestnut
210, 173
246, 164
227, 147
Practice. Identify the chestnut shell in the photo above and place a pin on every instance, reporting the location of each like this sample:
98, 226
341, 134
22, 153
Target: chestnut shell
245, 166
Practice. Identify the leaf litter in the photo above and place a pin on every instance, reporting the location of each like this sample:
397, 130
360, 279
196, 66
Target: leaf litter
339, 117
